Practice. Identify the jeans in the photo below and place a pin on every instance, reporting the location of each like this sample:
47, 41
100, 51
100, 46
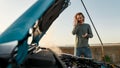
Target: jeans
83, 51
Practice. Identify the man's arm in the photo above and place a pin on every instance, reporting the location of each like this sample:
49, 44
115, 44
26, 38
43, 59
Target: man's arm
90, 34
75, 30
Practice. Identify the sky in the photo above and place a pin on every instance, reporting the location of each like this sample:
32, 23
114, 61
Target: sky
104, 13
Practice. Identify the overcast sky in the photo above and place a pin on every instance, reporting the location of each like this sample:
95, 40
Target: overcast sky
104, 13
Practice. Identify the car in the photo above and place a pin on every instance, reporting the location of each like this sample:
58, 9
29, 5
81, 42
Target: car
22, 54
38, 18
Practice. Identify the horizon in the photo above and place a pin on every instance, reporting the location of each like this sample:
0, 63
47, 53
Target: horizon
72, 45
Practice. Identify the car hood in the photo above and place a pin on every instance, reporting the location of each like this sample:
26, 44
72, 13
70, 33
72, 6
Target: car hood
45, 11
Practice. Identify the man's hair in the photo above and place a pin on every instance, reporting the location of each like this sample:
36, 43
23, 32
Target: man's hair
75, 17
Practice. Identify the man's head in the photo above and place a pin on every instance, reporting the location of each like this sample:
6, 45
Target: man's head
79, 18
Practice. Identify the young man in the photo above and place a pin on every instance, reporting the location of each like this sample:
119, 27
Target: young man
83, 32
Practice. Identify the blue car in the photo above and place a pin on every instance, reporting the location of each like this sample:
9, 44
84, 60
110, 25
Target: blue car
22, 54
39, 18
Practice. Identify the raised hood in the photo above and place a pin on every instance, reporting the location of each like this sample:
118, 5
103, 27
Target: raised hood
45, 11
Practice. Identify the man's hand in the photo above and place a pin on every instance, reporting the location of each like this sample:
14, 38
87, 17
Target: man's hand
84, 35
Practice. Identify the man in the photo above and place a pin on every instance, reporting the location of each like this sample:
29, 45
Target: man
83, 32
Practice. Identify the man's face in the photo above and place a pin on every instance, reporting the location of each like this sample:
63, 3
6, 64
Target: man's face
80, 18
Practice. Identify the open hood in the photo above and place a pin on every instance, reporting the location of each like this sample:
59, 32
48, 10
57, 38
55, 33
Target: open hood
43, 11
38, 17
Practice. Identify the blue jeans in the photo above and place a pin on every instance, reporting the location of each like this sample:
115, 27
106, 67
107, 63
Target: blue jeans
79, 51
